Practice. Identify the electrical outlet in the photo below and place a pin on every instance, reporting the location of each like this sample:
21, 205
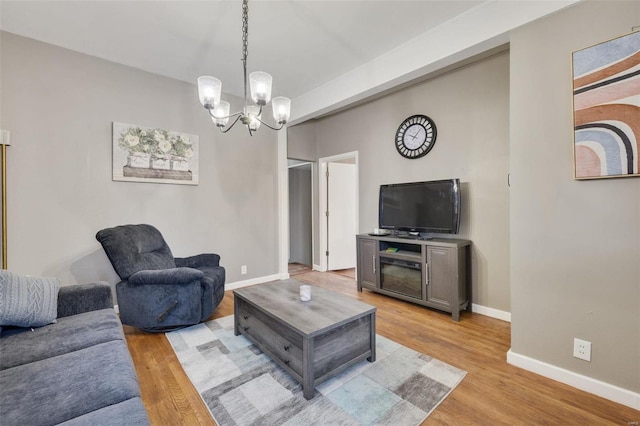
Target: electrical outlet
582, 349
243, 269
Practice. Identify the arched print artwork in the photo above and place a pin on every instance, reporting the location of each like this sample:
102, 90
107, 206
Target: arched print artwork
606, 108
142, 154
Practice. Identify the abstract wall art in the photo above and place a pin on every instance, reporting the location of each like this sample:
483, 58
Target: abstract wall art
606, 109
142, 154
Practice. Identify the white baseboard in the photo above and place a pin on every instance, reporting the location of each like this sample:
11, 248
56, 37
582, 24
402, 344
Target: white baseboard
253, 281
490, 312
317, 268
587, 384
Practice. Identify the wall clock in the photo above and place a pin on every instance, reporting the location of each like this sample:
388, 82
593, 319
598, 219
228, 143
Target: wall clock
416, 136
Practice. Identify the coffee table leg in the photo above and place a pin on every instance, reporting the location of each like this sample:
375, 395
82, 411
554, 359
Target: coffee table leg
372, 325
236, 325
307, 368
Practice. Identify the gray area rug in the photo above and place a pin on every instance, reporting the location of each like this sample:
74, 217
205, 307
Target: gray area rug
242, 386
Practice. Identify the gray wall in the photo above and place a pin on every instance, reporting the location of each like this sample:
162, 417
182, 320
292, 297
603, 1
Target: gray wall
575, 245
59, 106
300, 214
301, 142
470, 107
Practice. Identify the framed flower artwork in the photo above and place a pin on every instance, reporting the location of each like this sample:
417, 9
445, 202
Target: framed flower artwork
144, 154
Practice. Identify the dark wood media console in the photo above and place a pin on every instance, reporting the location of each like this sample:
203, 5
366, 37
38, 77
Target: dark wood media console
434, 273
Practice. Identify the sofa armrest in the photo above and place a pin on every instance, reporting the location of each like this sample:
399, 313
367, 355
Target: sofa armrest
174, 276
77, 299
199, 261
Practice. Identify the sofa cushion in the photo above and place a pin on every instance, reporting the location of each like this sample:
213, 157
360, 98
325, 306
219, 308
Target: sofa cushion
212, 289
61, 388
130, 412
199, 260
67, 335
173, 276
215, 274
164, 305
27, 301
80, 298
133, 248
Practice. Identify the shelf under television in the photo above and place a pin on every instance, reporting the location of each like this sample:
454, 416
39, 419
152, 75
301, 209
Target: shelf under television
402, 255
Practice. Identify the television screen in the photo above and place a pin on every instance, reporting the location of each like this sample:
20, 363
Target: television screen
428, 207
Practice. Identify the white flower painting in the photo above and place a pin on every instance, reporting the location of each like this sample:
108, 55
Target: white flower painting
142, 154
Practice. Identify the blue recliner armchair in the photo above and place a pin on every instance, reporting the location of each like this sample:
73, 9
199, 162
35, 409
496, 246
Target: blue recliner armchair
159, 292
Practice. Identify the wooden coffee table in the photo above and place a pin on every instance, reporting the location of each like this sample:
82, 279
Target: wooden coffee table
311, 340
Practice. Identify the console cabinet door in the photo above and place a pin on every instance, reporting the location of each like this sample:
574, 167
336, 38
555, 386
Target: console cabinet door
367, 263
442, 275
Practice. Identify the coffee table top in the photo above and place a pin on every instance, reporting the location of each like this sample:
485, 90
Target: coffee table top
326, 309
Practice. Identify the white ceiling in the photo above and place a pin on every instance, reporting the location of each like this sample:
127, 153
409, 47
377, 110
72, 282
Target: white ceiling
303, 44
325, 55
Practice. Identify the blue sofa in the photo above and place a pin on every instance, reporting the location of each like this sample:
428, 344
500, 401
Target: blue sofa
77, 371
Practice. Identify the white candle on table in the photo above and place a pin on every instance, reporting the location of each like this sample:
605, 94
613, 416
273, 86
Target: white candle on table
305, 293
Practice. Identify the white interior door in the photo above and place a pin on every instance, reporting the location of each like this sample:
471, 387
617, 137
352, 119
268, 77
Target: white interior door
341, 219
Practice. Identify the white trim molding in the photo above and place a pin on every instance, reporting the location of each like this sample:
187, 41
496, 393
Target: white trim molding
314, 178
491, 312
587, 384
283, 205
254, 281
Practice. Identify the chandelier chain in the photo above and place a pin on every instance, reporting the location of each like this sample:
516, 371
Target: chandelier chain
245, 47
250, 115
245, 30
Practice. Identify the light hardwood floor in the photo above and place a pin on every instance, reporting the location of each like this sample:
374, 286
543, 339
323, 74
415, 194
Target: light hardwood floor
492, 393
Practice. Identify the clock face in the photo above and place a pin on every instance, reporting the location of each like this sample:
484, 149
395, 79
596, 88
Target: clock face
416, 136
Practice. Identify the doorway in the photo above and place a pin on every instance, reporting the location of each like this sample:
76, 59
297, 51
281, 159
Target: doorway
338, 211
300, 215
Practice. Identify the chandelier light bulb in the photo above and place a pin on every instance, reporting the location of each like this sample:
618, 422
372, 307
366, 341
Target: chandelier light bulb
209, 91
260, 84
253, 113
281, 109
220, 114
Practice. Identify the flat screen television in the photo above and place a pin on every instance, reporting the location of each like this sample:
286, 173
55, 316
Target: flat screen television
421, 207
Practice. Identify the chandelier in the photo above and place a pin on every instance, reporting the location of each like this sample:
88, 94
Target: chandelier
210, 88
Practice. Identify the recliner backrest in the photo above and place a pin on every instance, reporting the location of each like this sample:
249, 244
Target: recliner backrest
133, 248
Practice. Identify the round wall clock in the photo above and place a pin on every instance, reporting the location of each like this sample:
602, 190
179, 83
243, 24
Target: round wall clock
416, 136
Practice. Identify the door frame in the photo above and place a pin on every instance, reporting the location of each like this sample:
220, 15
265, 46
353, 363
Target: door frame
322, 200
313, 183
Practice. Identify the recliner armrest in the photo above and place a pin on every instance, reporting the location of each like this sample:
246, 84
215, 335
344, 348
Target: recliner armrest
175, 276
77, 299
199, 261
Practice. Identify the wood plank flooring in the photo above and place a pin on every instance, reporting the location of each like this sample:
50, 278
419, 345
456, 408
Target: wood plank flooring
493, 393
298, 268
